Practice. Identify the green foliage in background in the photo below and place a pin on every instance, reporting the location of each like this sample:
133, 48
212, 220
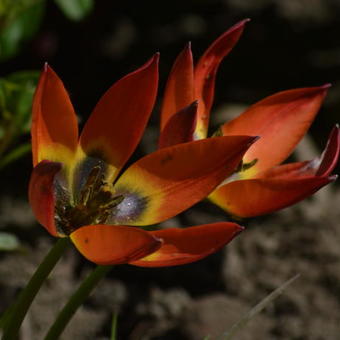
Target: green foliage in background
8, 242
20, 20
75, 9
16, 94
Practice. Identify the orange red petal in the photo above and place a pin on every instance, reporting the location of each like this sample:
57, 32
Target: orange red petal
254, 197
320, 166
41, 194
170, 180
181, 246
180, 127
281, 120
179, 90
54, 123
280, 186
291, 170
330, 156
119, 119
205, 73
113, 244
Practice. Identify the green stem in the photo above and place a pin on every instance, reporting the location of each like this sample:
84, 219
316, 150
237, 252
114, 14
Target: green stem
26, 297
76, 301
114, 326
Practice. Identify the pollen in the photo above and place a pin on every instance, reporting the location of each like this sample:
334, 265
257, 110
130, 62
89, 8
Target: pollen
130, 207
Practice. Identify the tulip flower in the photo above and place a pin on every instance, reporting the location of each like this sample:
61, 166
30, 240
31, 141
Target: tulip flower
77, 188
260, 185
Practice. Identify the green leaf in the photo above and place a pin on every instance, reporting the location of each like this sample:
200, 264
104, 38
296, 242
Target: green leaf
16, 96
75, 9
20, 24
20, 104
8, 242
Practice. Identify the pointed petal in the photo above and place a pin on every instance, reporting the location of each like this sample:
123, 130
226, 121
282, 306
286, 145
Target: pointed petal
330, 156
281, 121
181, 246
170, 180
108, 244
180, 127
179, 90
54, 123
205, 73
254, 197
119, 119
41, 194
320, 166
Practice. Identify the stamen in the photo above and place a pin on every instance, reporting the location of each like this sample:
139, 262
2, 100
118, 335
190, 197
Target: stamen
94, 205
87, 190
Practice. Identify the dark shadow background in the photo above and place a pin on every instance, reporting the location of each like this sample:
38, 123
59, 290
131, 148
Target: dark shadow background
287, 44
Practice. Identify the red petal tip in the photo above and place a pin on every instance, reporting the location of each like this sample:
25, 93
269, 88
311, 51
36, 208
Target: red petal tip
47, 68
153, 60
335, 129
155, 57
326, 86
241, 23
240, 228
333, 178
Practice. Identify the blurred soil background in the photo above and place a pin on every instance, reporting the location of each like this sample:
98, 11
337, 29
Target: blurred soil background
287, 44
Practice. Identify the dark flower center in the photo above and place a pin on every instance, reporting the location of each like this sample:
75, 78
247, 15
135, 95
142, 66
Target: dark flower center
94, 201
93, 204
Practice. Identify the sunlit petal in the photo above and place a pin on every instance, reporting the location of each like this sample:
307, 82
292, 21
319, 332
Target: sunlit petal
118, 121
107, 244
181, 246
281, 121
205, 74
170, 180
54, 123
254, 197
